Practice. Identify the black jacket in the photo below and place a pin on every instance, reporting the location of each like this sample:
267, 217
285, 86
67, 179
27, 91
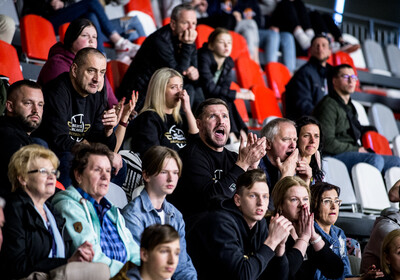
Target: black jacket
160, 49
13, 136
27, 242
222, 246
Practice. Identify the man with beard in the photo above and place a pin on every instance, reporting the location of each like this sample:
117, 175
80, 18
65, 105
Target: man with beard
340, 126
209, 170
282, 156
76, 110
311, 82
23, 114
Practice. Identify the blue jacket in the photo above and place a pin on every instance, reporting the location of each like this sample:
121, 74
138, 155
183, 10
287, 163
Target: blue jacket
82, 224
140, 213
337, 241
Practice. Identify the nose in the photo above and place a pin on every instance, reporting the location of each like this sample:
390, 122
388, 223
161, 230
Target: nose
312, 139
171, 258
259, 201
96, 76
169, 177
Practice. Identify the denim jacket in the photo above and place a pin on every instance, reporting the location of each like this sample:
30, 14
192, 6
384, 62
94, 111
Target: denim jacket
140, 213
337, 241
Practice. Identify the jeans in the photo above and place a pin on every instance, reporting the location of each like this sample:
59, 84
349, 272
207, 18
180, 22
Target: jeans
381, 162
271, 42
90, 9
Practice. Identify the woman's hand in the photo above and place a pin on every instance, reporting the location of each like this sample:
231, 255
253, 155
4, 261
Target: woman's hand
84, 253
304, 171
185, 100
372, 273
305, 224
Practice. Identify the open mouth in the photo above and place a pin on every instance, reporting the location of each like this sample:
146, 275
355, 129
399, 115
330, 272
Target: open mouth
288, 153
220, 132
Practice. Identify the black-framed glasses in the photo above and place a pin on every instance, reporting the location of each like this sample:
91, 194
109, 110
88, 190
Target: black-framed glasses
46, 172
349, 77
329, 202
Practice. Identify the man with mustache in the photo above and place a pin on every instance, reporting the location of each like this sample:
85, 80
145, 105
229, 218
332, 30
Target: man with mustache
76, 110
23, 114
209, 170
282, 156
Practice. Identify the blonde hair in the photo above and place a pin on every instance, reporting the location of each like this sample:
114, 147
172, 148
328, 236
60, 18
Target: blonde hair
22, 159
282, 186
155, 96
385, 249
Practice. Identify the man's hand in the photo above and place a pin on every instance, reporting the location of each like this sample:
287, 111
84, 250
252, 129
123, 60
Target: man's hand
192, 73
362, 150
251, 152
188, 36
288, 167
117, 163
110, 120
278, 231
56, 4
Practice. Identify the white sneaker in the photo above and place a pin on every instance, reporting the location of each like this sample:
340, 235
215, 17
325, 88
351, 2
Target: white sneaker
125, 47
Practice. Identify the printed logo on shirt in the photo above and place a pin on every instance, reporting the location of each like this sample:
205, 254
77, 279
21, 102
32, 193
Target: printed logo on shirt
77, 128
218, 174
176, 136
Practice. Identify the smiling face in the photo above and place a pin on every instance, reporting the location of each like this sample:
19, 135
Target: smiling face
164, 182
253, 202
328, 214
88, 78
160, 263
95, 178
37, 185
87, 38
222, 46
174, 87
309, 138
214, 126
284, 142
295, 198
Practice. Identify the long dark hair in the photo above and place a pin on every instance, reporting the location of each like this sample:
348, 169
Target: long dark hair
317, 173
74, 30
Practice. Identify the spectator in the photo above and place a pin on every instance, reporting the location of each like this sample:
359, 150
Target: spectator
81, 33
389, 255
311, 82
210, 170
291, 196
325, 205
23, 115
33, 240
160, 121
282, 156
159, 255
233, 241
59, 12
89, 215
75, 110
170, 46
7, 28
310, 144
161, 170
340, 125
215, 67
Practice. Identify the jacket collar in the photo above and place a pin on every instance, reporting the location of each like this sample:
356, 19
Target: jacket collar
148, 206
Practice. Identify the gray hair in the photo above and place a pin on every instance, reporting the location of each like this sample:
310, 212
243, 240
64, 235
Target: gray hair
272, 127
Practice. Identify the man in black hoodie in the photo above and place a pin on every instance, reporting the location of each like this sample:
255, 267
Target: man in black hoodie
234, 241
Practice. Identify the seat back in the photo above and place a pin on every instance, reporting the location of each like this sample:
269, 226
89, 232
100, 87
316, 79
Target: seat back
396, 145
116, 195
381, 116
336, 174
203, 31
115, 72
61, 31
362, 114
9, 62
248, 72
376, 142
265, 104
278, 75
239, 46
37, 37
134, 172
393, 56
140, 5
369, 188
392, 175
358, 55
375, 58
240, 105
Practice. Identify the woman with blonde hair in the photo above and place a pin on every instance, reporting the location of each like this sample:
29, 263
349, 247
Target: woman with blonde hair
306, 250
160, 121
390, 260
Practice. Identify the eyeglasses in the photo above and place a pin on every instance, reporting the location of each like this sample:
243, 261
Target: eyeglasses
46, 172
329, 202
349, 77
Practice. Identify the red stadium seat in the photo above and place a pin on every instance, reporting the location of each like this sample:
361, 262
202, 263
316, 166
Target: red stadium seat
203, 31
248, 72
140, 5
61, 31
265, 104
115, 72
37, 37
278, 75
239, 46
240, 105
376, 142
9, 63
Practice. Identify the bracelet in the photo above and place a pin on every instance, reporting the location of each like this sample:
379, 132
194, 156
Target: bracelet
316, 240
302, 240
124, 124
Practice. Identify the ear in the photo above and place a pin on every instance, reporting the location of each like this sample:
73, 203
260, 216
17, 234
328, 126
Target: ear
198, 123
74, 69
22, 180
236, 199
144, 256
9, 106
77, 176
146, 178
172, 24
268, 144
